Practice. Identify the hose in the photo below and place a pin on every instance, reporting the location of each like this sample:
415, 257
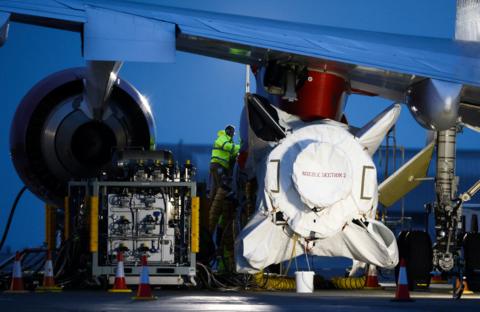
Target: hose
274, 282
10, 217
349, 282
212, 280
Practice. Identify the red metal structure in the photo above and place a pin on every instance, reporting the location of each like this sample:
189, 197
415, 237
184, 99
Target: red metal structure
321, 96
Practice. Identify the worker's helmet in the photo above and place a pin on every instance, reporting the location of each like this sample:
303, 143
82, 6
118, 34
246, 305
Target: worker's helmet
230, 130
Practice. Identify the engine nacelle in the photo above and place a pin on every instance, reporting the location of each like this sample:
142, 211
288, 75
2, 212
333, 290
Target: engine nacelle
52, 139
434, 103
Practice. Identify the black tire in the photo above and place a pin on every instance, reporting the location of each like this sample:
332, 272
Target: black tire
416, 248
471, 252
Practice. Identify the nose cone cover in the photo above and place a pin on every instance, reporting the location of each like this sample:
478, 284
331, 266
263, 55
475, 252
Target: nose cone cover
322, 175
324, 166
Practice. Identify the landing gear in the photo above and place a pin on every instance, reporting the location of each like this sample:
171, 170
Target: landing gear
446, 209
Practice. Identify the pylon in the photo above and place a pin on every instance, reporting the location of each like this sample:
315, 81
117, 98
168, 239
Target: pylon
466, 290
120, 286
17, 286
48, 280
144, 291
402, 293
371, 282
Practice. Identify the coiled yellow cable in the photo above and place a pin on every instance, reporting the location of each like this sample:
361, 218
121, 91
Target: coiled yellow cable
349, 282
272, 282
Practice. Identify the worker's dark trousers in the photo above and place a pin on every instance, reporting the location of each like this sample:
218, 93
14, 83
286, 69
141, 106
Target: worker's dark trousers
217, 194
222, 206
216, 174
219, 206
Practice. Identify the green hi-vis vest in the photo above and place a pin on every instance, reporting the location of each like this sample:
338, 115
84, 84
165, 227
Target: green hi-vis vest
224, 149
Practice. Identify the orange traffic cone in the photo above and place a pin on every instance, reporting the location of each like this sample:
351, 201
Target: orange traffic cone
48, 281
402, 293
372, 278
144, 291
17, 286
466, 290
120, 286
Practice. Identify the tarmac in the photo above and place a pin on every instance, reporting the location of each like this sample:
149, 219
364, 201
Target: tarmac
435, 299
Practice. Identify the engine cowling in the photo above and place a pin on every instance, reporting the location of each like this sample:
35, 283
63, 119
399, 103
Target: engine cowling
53, 141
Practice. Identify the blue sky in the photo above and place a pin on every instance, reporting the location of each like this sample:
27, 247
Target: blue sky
196, 96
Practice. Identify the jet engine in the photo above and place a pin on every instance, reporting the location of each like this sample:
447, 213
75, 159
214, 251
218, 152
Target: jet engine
54, 139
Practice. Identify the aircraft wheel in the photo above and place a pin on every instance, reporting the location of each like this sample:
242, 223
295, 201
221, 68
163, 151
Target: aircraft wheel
471, 250
416, 248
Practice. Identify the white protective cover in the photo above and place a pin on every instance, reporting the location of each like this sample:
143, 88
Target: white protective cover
342, 178
322, 178
322, 166
374, 244
263, 243
371, 135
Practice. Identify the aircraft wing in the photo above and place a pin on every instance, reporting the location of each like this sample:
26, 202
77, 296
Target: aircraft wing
375, 63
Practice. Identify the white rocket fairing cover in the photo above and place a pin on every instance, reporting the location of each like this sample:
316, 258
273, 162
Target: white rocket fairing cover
322, 174
263, 243
321, 178
321, 166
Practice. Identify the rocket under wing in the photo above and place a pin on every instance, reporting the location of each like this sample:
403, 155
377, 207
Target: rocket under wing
321, 179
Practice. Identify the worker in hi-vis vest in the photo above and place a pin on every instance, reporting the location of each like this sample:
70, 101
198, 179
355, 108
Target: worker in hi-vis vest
224, 155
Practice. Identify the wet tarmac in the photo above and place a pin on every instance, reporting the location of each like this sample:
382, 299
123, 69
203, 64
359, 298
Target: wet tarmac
439, 299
